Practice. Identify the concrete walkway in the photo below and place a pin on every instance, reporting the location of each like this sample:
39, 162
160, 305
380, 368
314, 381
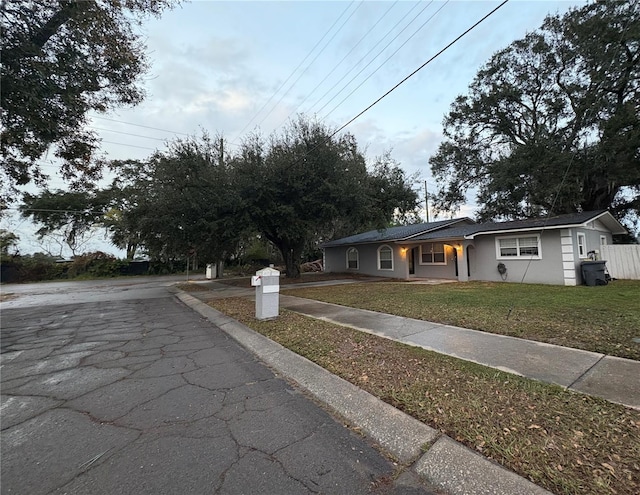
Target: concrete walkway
612, 378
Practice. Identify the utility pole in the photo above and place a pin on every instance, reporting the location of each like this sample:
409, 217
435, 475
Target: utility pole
426, 201
220, 263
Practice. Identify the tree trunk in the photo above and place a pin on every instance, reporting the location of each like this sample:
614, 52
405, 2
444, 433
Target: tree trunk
67, 10
291, 257
131, 250
219, 269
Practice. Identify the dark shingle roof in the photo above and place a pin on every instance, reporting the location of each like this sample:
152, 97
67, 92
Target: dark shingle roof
455, 232
530, 224
464, 227
393, 233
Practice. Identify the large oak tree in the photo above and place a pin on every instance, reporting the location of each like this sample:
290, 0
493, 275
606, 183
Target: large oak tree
185, 203
60, 60
551, 124
306, 184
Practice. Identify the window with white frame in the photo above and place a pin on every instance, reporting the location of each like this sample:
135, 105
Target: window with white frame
353, 260
432, 253
385, 258
582, 245
524, 247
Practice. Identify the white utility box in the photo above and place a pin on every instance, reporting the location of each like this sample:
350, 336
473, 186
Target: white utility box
267, 284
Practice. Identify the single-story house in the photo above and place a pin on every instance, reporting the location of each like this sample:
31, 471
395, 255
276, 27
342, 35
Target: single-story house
545, 250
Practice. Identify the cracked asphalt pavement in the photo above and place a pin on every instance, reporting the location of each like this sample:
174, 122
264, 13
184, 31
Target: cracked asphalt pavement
107, 394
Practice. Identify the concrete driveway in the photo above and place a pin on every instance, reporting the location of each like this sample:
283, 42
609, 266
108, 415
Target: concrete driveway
118, 388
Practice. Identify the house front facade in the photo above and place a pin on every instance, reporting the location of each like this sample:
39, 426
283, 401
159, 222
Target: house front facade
547, 251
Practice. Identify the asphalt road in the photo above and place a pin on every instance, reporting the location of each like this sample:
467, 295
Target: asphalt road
115, 387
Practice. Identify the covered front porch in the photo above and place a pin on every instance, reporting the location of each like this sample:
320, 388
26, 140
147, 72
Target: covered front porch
448, 260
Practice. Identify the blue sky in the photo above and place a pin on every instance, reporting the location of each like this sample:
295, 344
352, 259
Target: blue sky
214, 65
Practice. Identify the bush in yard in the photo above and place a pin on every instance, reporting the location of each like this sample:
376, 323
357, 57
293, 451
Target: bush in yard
97, 264
31, 268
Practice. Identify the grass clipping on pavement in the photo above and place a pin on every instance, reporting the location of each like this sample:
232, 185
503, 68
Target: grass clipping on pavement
565, 442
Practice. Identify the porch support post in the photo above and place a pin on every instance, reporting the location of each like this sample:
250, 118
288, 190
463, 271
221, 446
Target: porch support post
405, 252
461, 249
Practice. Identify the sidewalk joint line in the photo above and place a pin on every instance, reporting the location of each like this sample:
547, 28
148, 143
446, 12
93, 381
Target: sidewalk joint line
587, 371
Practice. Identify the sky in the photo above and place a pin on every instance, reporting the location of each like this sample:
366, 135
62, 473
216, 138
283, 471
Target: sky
236, 67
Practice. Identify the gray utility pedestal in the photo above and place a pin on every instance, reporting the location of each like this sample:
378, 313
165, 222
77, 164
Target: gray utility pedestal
267, 284
593, 273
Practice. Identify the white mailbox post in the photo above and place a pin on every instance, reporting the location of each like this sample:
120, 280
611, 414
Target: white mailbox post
267, 284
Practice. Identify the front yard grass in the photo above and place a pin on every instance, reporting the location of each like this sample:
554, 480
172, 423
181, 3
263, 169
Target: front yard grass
566, 442
603, 319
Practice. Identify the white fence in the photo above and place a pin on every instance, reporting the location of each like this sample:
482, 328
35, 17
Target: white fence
623, 260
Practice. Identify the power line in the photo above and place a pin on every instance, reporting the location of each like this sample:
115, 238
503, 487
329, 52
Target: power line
335, 67
45, 210
311, 63
139, 125
385, 61
127, 133
366, 55
295, 70
131, 145
458, 38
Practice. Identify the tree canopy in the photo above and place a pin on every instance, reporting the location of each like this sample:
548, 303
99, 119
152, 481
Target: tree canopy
128, 194
183, 202
308, 185
66, 215
551, 123
60, 60
8, 240
297, 189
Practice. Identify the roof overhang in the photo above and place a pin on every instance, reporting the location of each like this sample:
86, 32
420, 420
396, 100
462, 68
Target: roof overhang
605, 217
611, 223
444, 240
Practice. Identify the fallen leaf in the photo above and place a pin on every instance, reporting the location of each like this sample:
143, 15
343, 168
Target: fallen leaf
608, 466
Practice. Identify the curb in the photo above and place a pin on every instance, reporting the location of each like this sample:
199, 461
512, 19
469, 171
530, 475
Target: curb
441, 461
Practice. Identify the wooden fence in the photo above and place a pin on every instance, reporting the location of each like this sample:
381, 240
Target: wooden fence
623, 260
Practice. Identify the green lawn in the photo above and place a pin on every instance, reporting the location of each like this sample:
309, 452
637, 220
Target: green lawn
567, 442
603, 319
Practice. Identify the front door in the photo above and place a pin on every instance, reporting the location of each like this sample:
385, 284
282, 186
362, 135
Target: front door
455, 260
412, 262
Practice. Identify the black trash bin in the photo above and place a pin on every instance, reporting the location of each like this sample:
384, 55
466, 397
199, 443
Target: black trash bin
593, 272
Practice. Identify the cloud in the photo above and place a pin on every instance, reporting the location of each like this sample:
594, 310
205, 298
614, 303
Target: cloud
412, 148
224, 100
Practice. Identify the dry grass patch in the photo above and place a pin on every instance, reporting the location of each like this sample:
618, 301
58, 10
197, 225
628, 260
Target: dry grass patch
566, 442
601, 319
